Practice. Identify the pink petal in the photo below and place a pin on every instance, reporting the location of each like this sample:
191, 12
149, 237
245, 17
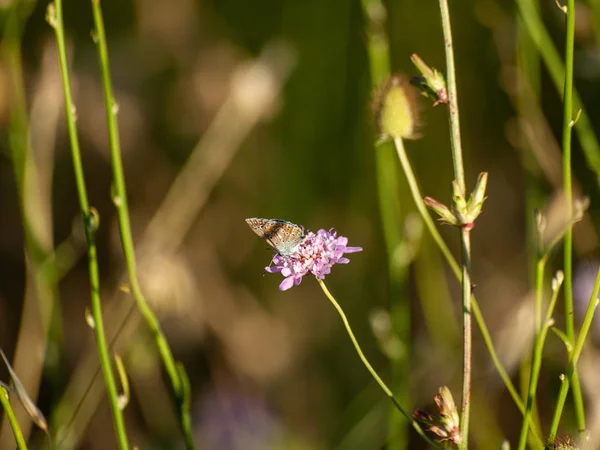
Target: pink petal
287, 283
342, 240
353, 249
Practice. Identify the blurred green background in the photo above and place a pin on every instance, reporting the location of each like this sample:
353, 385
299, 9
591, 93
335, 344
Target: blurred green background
273, 369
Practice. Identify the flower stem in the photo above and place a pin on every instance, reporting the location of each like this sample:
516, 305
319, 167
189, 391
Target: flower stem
575, 354
467, 336
568, 243
539, 292
120, 201
375, 375
391, 198
90, 222
12, 419
32, 172
552, 60
536, 363
453, 116
435, 234
459, 175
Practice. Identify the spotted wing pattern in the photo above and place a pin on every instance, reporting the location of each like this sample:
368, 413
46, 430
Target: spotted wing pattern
282, 235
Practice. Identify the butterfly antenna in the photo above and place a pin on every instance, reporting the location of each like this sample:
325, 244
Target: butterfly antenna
268, 266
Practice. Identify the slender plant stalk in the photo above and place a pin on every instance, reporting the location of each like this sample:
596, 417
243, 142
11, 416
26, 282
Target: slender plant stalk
467, 336
457, 159
459, 175
539, 293
90, 222
391, 218
537, 355
375, 375
529, 370
552, 60
120, 201
573, 359
390, 200
568, 243
12, 419
40, 318
430, 224
528, 80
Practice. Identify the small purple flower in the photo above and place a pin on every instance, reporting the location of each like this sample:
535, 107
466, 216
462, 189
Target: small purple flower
316, 254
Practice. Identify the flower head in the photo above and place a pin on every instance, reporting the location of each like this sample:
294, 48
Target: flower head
316, 254
396, 109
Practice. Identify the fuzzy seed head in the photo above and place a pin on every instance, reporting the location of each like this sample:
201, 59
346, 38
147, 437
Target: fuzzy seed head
395, 106
563, 443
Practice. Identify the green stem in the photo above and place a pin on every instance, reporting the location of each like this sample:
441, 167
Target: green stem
90, 221
391, 195
120, 201
573, 359
539, 293
457, 160
552, 60
31, 178
528, 80
430, 224
12, 419
568, 243
537, 354
467, 336
388, 178
375, 375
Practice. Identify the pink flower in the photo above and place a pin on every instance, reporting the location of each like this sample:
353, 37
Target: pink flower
316, 254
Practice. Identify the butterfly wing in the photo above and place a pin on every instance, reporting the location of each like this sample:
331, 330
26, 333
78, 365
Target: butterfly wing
282, 235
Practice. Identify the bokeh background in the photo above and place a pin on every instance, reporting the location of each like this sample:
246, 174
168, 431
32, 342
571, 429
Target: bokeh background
206, 144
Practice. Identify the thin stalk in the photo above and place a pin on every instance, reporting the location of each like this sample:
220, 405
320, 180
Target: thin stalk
537, 360
568, 243
539, 293
573, 359
120, 201
467, 336
459, 175
457, 159
12, 419
39, 325
527, 367
528, 80
552, 60
418, 199
391, 195
431, 227
391, 219
375, 375
90, 222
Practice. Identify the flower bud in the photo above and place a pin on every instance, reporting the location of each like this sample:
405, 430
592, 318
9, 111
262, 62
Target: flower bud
431, 82
446, 426
449, 418
459, 204
477, 197
446, 215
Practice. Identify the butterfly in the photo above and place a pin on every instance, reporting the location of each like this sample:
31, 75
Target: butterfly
282, 235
